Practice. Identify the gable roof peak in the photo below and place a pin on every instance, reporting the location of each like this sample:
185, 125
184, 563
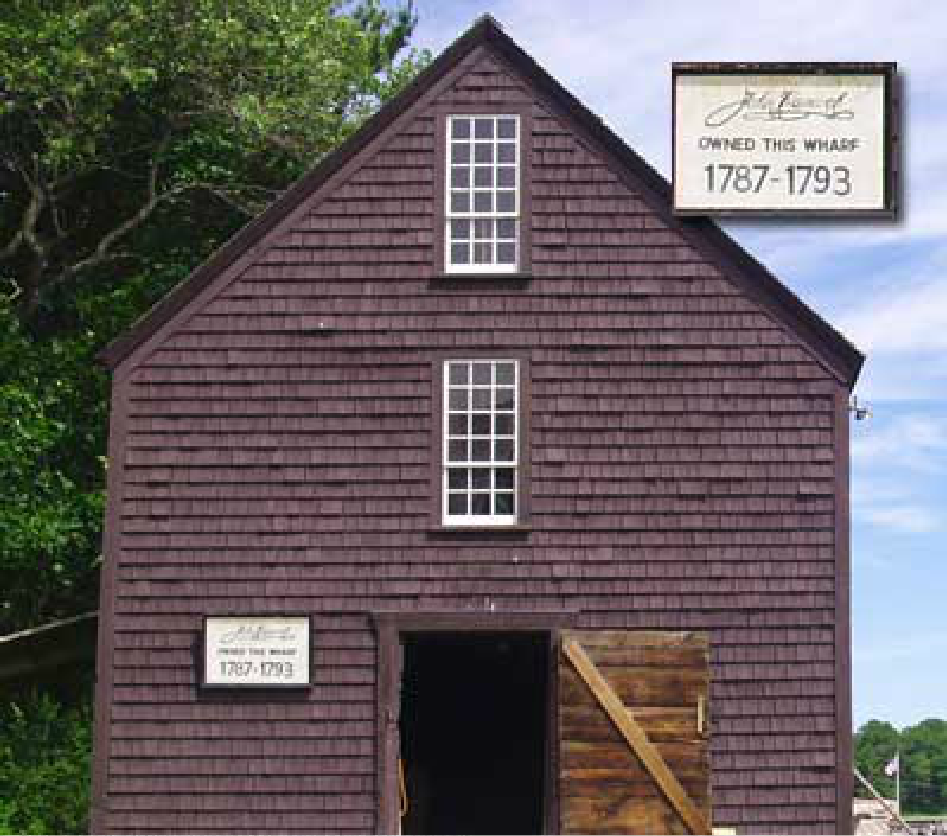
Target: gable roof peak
487, 21
830, 347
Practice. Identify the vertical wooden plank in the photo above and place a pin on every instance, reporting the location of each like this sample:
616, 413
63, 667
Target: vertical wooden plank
111, 549
386, 732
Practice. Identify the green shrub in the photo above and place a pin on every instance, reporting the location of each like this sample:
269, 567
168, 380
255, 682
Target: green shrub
45, 759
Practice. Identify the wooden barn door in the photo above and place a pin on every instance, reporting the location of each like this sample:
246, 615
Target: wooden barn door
633, 732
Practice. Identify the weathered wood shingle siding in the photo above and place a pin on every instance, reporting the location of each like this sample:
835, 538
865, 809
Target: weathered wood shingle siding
277, 457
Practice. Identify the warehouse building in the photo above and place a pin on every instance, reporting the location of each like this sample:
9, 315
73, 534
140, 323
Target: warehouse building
543, 489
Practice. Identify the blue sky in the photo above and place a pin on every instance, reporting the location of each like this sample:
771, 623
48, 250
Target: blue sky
883, 285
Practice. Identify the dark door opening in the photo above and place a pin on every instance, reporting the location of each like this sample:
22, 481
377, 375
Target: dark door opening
473, 732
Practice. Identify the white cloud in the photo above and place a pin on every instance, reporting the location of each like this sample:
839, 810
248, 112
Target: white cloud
906, 376
903, 306
906, 320
897, 464
909, 519
916, 442
870, 491
915, 319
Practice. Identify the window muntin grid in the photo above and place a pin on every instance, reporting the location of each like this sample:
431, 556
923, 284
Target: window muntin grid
482, 230
481, 404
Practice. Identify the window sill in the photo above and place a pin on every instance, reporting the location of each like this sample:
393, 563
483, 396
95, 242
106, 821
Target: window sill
483, 277
474, 532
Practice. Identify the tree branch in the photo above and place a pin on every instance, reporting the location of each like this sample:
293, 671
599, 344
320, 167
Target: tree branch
31, 238
102, 252
12, 245
27, 235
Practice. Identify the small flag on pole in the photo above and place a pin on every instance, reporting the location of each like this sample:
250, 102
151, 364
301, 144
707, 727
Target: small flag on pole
893, 767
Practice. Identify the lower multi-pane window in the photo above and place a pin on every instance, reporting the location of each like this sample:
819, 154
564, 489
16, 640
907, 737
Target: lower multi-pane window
480, 442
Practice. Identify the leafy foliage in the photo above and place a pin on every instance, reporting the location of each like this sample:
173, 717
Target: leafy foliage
135, 137
52, 420
876, 743
923, 751
45, 754
115, 115
924, 781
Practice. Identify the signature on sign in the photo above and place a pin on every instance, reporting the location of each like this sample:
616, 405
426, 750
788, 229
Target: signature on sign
779, 107
260, 633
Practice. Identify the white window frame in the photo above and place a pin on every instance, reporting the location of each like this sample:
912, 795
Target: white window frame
494, 215
468, 518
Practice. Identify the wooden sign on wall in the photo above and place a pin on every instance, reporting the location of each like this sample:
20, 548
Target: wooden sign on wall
256, 651
798, 139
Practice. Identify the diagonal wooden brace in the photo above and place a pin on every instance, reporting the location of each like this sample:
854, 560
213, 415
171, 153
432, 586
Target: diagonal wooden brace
635, 736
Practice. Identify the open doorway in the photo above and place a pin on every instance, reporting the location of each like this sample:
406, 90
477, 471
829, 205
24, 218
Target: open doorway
473, 725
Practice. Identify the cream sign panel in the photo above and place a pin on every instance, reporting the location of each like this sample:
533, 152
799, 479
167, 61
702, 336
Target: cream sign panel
258, 651
808, 142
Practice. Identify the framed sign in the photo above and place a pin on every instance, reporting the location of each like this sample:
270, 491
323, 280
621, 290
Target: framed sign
793, 139
248, 651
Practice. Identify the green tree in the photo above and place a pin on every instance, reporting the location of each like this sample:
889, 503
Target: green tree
923, 763
924, 773
44, 766
135, 137
51, 469
114, 115
876, 743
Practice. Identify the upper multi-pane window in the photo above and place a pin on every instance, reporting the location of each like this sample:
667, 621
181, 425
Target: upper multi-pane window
480, 441
483, 154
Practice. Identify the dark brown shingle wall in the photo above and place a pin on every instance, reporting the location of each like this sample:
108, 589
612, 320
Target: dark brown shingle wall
278, 458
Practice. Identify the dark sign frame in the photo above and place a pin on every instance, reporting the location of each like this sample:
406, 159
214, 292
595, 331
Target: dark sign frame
888, 70
253, 686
